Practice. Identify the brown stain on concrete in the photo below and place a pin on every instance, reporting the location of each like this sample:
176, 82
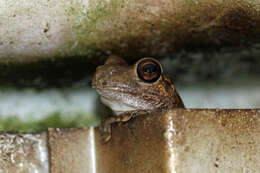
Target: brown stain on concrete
157, 30
202, 140
180, 140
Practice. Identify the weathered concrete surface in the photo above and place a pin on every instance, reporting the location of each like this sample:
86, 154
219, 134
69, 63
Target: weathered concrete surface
33, 30
178, 141
181, 141
184, 141
72, 150
216, 141
63, 40
23, 153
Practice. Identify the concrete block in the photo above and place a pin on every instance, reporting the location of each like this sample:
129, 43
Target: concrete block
179, 141
72, 150
184, 141
23, 153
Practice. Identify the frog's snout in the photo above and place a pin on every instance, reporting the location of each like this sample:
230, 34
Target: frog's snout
96, 78
99, 68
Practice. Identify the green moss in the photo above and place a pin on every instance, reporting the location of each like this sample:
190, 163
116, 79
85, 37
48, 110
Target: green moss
56, 121
84, 25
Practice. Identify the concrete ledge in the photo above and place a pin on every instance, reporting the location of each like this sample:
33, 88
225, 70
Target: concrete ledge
71, 150
180, 141
20, 153
185, 141
89, 28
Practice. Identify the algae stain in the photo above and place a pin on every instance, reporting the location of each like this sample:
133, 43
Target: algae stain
86, 15
56, 120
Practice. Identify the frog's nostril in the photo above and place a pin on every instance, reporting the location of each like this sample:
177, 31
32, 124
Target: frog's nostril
104, 83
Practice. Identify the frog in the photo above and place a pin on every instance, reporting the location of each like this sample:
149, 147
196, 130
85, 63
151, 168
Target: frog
133, 90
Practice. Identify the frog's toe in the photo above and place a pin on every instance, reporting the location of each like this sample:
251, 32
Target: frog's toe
105, 137
105, 131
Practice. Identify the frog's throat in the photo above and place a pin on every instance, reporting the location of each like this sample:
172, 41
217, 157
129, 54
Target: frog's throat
117, 107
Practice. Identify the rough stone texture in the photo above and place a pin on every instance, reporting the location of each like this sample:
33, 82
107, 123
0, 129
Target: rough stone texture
32, 30
138, 146
215, 140
64, 40
184, 141
23, 153
161, 27
180, 140
72, 150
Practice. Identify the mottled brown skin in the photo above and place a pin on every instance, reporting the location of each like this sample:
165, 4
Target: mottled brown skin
127, 95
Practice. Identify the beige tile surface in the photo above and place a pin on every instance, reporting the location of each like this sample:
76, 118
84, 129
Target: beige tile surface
71, 150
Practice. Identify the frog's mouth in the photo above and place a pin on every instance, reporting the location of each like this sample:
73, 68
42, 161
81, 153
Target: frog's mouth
121, 99
115, 93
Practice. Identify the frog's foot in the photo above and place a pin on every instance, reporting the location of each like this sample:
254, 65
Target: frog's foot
105, 128
105, 132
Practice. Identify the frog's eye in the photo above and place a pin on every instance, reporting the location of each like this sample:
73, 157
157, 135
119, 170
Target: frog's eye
149, 70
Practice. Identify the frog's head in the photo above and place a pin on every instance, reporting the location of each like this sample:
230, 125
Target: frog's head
140, 86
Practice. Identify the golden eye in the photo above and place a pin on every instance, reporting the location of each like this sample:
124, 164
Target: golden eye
149, 70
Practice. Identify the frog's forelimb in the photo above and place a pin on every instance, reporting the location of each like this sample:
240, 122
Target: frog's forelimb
105, 128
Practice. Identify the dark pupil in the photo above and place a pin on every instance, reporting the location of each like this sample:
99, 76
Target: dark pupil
149, 71
149, 68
